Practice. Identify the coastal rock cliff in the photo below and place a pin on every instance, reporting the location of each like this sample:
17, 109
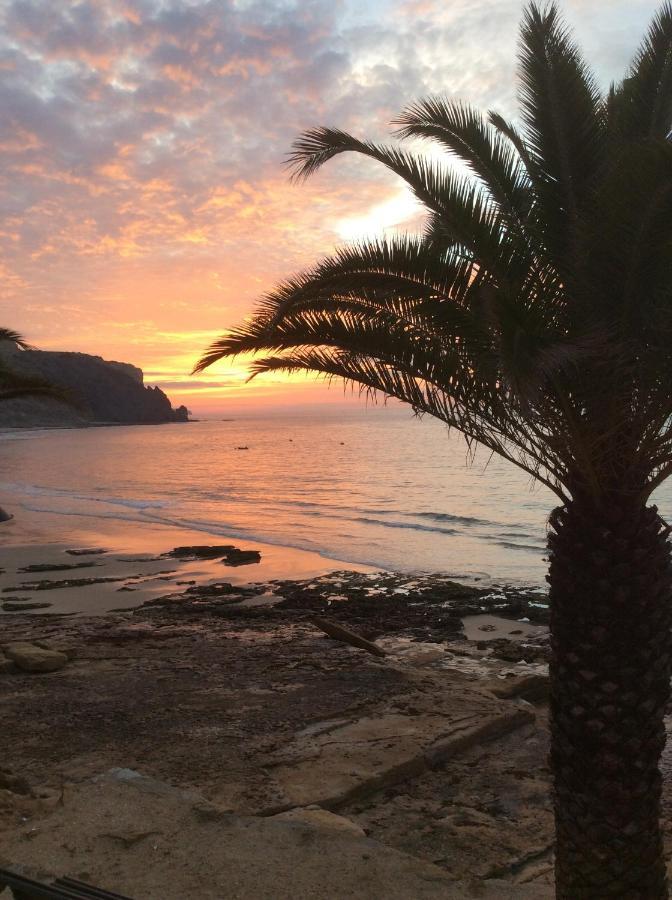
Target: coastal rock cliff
101, 391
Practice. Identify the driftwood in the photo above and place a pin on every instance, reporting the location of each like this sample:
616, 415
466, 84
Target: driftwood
348, 637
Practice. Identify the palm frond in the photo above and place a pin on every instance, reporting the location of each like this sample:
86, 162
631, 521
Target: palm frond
628, 240
562, 114
8, 334
467, 216
641, 106
462, 130
374, 376
509, 131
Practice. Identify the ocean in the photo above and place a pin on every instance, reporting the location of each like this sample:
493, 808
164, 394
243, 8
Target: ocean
369, 485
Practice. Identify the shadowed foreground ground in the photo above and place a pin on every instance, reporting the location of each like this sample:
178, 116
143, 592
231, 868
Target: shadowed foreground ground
436, 751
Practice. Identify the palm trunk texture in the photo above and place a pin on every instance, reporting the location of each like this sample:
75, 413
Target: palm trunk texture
610, 590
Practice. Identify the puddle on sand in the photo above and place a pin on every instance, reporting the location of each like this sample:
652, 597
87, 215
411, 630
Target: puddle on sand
459, 656
489, 628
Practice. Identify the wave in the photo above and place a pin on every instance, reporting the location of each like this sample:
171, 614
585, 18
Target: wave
372, 515
38, 491
450, 517
146, 506
511, 545
405, 525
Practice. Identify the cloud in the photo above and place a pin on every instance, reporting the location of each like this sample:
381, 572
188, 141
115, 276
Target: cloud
142, 145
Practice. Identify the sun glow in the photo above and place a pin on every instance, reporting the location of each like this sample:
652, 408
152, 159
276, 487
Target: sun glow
398, 210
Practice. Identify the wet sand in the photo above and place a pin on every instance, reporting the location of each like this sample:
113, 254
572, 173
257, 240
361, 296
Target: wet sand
131, 556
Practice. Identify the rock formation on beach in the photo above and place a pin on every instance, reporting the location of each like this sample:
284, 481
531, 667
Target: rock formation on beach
103, 392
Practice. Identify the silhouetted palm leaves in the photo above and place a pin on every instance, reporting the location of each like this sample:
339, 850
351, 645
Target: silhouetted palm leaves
14, 385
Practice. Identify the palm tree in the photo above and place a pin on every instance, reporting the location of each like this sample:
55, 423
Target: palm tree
534, 316
13, 385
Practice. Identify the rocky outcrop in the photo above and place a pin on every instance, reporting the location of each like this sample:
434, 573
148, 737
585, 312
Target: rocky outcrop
33, 658
102, 392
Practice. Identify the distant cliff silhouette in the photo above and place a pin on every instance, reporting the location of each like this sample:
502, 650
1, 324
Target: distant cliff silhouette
102, 391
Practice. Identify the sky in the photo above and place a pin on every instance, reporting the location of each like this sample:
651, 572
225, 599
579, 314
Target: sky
145, 203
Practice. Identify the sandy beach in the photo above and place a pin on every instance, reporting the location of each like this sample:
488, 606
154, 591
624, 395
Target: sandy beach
217, 680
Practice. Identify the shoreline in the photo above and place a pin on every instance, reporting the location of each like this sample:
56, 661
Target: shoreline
134, 556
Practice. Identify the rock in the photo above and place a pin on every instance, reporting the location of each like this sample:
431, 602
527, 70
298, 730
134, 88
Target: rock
515, 651
57, 567
530, 687
23, 606
14, 783
320, 818
86, 551
241, 557
204, 597
6, 665
338, 765
242, 857
46, 584
231, 556
200, 551
4, 515
31, 658
70, 651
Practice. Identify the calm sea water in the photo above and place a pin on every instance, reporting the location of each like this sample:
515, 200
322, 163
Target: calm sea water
373, 486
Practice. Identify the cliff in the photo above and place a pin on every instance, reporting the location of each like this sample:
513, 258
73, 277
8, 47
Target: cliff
102, 391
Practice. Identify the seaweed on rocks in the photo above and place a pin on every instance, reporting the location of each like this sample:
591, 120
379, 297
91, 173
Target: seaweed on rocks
86, 551
230, 555
422, 607
199, 551
57, 567
46, 585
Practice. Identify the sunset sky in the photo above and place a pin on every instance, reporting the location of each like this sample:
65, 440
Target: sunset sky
144, 200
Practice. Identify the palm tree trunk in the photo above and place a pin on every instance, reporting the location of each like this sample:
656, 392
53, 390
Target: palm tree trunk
611, 602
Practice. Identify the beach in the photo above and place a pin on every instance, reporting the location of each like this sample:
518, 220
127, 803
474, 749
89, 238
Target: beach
215, 678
